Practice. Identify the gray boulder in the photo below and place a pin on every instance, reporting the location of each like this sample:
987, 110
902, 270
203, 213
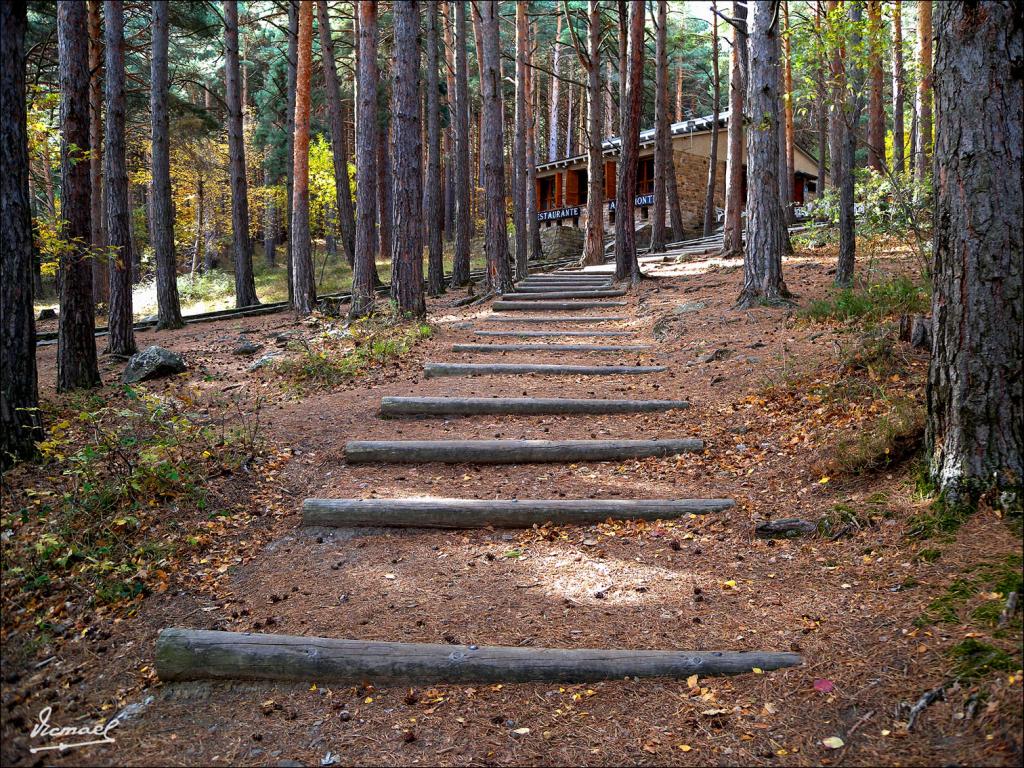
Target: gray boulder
152, 363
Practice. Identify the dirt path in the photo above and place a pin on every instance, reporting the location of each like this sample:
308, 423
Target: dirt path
700, 583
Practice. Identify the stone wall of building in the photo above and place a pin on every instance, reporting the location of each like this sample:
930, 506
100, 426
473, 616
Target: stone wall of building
562, 242
692, 184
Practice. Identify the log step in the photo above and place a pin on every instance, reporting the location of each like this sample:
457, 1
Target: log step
550, 347
203, 654
562, 306
529, 295
556, 319
561, 287
436, 370
426, 512
567, 281
468, 406
511, 451
535, 334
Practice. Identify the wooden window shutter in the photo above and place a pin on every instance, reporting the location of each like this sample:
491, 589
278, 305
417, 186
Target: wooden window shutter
558, 190
539, 198
609, 180
572, 188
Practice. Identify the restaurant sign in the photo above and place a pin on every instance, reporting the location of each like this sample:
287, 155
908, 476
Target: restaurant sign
559, 213
640, 201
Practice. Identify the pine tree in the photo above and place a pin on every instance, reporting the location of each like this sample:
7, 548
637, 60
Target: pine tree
303, 282
366, 162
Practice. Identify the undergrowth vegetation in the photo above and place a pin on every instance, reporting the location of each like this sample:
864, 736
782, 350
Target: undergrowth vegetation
873, 304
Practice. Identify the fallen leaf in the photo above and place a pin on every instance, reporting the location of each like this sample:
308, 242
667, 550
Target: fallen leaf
691, 681
521, 731
685, 747
822, 685
833, 742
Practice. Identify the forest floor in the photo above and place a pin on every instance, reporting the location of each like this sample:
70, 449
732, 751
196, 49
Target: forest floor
820, 419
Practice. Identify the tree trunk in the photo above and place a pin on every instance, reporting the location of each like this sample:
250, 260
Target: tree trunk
532, 222
709, 196
432, 189
499, 277
76, 343
924, 88
821, 112
98, 237
593, 245
120, 324
975, 432
198, 252
898, 96
679, 89
876, 112
519, 217
366, 162
168, 306
787, 83
20, 422
732, 227
385, 204
448, 41
407, 201
556, 52
303, 274
270, 220
840, 163
463, 211
762, 267
339, 143
245, 285
661, 127
293, 55
626, 265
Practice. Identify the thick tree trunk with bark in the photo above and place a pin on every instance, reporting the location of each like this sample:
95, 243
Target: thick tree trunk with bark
20, 422
100, 278
499, 277
366, 162
876, 112
293, 56
339, 142
303, 275
709, 195
593, 244
448, 47
661, 128
762, 267
120, 325
432, 189
245, 284
626, 265
975, 434
821, 111
168, 306
76, 343
463, 210
840, 157
531, 160
924, 88
898, 94
553, 96
787, 83
519, 220
732, 228
407, 249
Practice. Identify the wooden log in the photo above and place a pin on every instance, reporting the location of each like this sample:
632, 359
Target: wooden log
201, 654
556, 319
561, 306
468, 406
566, 280
511, 451
606, 348
562, 287
536, 334
436, 370
528, 295
500, 513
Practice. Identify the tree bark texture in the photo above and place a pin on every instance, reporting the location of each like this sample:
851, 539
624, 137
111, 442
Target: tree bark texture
303, 275
270, 220
975, 431
366, 161
407, 200
762, 267
448, 47
339, 142
168, 306
898, 93
120, 324
553, 97
519, 217
385, 204
924, 88
76, 344
821, 111
661, 128
732, 227
709, 195
532, 111
20, 422
100, 279
463, 210
432, 189
876, 112
787, 89
499, 276
593, 244
245, 284
626, 265
293, 57
840, 157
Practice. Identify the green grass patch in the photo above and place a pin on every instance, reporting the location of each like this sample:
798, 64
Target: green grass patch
873, 304
942, 518
992, 580
892, 437
973, 659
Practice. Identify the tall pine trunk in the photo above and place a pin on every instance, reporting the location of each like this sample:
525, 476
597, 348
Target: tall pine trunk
432, 189
168, 306
975, 433
840, 154
303, 275
385, 204
76, 324
531, 159
499, 277
120, 325
626, 265
924, 88
898, 94
661, 128
366, 162
553, 96
732, 227
821, 91
270, 219
98, 238
20, 422
876, 112
787, 83
593, 244
449, 133
463, 209
293, 56
709, 195
519, 219
339, 142
245, 284
762, 267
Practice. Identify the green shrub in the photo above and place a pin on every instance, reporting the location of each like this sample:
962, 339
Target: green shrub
873, 304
